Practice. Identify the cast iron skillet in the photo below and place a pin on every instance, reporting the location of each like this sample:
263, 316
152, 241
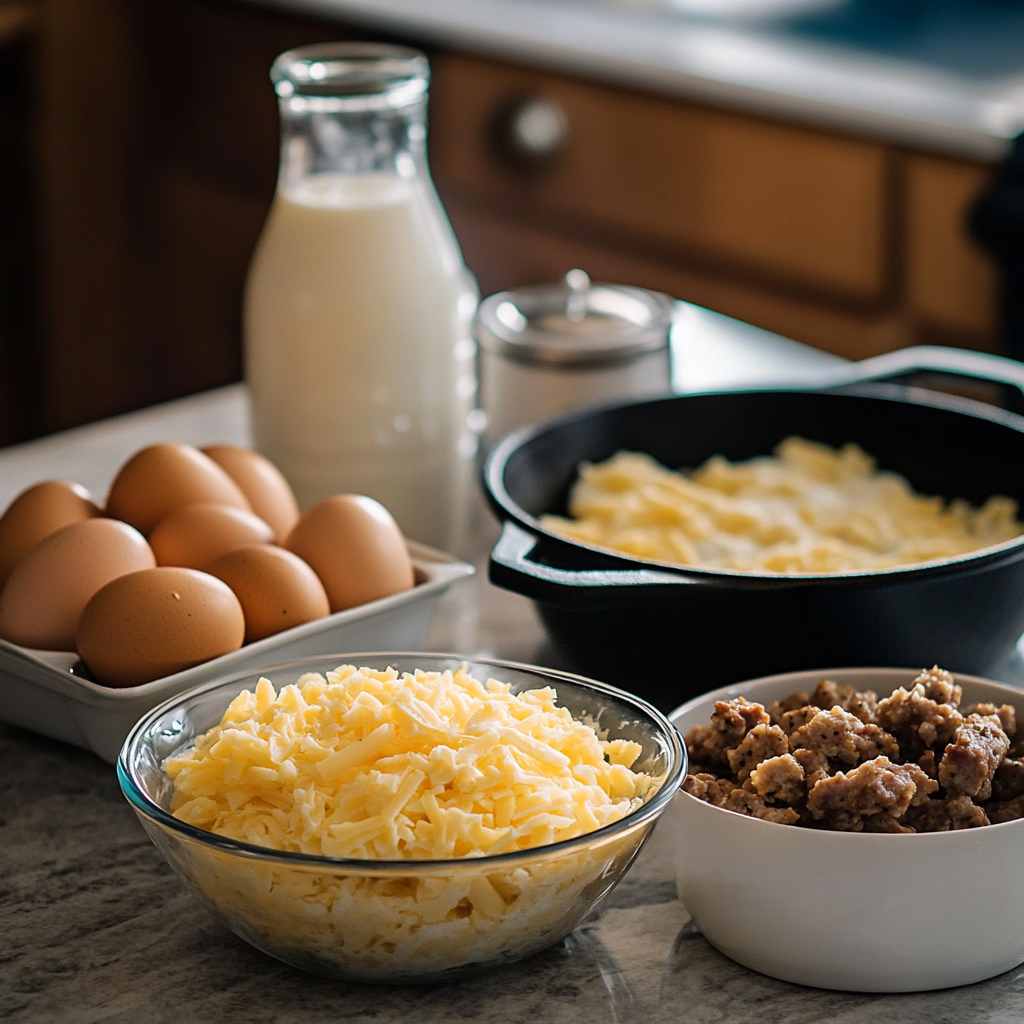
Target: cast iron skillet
668, 633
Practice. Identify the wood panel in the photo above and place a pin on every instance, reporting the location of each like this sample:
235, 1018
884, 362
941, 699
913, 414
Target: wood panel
20, 354
505, 254
86, 116
950, 281
793, 204
192, 282
159, 144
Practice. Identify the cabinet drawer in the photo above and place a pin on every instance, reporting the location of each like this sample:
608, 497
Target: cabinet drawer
780, 201
950, 281
506, 254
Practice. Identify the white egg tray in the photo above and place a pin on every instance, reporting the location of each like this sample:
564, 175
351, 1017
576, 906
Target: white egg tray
40, 690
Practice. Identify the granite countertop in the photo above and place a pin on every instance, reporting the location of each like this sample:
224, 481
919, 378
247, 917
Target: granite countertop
94, 927
953, 84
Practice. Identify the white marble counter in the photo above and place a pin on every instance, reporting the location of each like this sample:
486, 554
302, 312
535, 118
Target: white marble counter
95, 928
644, 44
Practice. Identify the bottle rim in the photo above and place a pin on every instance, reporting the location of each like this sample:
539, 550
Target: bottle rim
399, 73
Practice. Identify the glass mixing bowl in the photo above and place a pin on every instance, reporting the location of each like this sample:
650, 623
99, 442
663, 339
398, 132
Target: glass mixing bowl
409, 920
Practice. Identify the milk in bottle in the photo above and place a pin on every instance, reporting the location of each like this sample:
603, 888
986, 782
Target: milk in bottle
358, 309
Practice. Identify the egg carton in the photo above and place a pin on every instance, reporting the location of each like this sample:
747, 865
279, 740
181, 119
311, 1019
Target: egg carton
49, 692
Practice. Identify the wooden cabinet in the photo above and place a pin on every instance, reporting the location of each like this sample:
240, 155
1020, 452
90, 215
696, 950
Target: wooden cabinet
950, 283
159, 153
20, 355
784, 203
156, 136
850, 244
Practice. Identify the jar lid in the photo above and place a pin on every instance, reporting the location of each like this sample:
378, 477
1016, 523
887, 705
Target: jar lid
574, 323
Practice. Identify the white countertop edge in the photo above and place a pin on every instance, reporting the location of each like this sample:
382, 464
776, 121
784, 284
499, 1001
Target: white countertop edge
834, 87
91, 454
710, 350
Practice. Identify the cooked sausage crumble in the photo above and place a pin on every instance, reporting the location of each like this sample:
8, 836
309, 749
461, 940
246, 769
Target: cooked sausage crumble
915, 761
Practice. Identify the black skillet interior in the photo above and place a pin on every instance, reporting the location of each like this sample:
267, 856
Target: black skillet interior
943, 445
669, 633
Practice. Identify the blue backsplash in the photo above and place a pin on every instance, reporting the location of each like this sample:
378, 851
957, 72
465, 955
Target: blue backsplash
977, 38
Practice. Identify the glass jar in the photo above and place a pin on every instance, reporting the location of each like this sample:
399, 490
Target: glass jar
546, 349
359, 354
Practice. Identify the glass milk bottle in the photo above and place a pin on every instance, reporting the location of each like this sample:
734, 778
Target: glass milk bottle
358, 349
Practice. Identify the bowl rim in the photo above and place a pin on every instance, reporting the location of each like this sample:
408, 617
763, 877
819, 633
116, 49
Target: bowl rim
837, 674
144, 804
496, 462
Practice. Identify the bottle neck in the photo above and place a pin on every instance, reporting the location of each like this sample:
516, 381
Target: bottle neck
351, 135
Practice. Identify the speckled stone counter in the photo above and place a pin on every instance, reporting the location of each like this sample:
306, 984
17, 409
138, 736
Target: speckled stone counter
95, 928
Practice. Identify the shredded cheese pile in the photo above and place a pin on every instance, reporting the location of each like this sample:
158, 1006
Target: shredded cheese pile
807, 509
372, 765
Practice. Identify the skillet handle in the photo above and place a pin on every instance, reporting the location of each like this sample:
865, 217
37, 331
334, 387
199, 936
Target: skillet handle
956, 362
511, 568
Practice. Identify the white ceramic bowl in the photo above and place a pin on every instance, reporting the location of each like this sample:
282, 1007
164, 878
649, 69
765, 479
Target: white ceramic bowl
850, 911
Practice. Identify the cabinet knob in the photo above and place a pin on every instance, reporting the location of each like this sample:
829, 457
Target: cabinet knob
533, 130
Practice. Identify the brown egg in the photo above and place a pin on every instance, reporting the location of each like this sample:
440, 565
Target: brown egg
262, 483
276, 589
356, 548
149, 624
36, 513
196, 535
44, 596
160, 479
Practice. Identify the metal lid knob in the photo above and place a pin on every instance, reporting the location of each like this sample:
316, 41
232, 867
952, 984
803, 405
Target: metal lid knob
574, 323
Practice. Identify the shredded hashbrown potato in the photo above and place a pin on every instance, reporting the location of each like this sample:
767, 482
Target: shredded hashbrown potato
463, 769
376, 765
806, 509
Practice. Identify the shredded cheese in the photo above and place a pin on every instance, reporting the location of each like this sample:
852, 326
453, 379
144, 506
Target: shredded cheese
372, 765
807, 509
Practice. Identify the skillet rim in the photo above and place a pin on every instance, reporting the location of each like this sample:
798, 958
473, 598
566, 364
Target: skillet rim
506, 508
